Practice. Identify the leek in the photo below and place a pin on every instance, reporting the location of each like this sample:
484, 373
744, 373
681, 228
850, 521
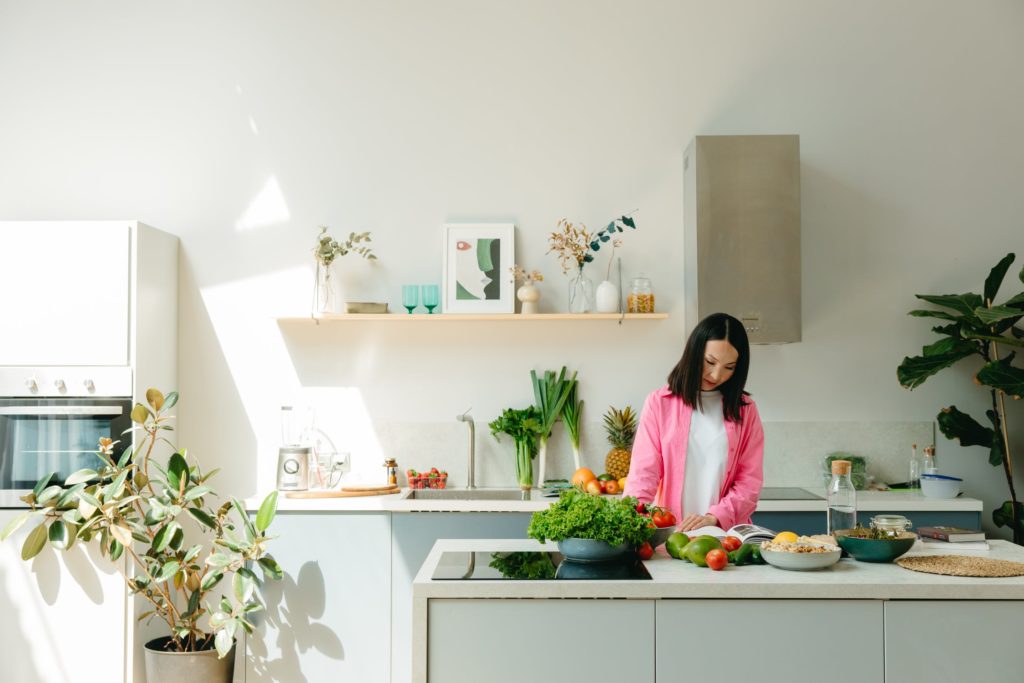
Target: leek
571, 414
550, 395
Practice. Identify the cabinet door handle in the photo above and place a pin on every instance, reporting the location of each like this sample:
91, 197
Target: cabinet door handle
112, 411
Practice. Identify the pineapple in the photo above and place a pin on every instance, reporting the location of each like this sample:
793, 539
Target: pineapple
621, 428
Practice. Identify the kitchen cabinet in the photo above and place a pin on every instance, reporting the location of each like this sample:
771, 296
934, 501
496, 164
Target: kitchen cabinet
922, 645
57, 610
414, 536
815, 632
328, 618
61, 281
508, 641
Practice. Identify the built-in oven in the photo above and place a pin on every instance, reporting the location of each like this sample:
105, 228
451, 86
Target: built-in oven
51, 421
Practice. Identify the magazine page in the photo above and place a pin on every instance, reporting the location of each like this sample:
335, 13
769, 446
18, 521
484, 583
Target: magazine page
716, 531
752, 533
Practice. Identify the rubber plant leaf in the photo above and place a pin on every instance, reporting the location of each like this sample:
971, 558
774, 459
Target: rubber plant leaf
155, 398
1000, 374
267, 511
34, 542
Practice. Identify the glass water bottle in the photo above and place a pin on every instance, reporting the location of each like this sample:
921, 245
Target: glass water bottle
842, 498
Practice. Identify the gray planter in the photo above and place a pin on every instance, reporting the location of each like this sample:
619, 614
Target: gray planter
187, 667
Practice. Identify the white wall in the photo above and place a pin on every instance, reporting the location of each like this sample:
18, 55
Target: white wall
242, 126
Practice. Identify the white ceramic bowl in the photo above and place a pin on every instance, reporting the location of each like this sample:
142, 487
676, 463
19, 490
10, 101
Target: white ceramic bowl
801, 561
940, 486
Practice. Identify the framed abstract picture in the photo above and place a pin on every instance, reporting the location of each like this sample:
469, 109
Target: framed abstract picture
476, 271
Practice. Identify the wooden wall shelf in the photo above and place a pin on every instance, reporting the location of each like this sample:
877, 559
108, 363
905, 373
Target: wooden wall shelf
473, 317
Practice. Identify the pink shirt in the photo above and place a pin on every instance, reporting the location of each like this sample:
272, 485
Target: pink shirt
658, 462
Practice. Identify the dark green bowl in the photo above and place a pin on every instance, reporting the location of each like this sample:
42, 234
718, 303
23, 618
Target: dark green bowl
875, 549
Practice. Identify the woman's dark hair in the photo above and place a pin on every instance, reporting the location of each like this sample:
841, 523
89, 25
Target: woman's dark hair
685, 379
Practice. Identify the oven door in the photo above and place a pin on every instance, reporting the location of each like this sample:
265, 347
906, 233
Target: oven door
59, 435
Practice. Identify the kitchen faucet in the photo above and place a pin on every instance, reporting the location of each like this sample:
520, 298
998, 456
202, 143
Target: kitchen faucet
465, 417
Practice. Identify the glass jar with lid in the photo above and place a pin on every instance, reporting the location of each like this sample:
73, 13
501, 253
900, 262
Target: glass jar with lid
891, 524
641, 295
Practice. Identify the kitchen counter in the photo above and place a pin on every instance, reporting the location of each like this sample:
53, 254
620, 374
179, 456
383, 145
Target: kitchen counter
848, 579
780, 626
867, 501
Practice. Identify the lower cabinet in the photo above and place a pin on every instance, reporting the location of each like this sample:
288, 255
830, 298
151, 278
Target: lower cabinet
814, 522
770, 640
414, 536
951, 641
328, 619
510, 641
57, 610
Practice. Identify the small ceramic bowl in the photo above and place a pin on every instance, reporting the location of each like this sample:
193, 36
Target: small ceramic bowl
940, 486
801, 561
875, 549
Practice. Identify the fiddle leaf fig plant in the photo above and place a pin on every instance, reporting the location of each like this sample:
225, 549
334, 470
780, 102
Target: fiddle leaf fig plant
133, 506
976, 326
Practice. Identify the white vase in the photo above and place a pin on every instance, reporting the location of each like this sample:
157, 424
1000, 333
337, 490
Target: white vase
607, 298
528, 295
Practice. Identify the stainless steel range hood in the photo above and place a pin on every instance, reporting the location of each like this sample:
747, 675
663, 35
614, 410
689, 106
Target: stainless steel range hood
742, 232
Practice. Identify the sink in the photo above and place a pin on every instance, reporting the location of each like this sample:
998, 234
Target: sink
471, 494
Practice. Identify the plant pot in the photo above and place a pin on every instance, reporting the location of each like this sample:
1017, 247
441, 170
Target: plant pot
607, 298
529, 295
194, 667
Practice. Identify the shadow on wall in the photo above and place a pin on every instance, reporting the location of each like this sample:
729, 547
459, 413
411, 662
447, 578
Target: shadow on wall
293, 607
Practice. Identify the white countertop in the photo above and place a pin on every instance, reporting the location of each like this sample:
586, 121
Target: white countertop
848, 579
867, 501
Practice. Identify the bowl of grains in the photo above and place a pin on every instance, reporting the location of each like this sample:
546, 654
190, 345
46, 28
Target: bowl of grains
805, 554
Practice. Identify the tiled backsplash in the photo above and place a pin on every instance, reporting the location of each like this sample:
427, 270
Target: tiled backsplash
793, 451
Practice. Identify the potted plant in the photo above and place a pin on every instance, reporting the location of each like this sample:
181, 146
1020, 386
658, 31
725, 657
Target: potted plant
524, 426
528, 294
327, 249
976, 327
576, 247
136, 507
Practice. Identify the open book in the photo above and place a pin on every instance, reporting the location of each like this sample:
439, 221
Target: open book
747, 533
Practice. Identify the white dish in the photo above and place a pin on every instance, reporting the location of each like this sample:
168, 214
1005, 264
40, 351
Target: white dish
801, 561
938, 486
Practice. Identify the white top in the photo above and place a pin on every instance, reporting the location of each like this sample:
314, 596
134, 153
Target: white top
707, 448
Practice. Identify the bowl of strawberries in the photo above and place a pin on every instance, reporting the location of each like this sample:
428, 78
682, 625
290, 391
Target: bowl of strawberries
431, 479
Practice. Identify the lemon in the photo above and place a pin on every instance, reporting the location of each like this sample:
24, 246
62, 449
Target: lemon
785, 537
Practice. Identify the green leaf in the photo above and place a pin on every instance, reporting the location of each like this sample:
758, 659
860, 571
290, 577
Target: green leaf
169, 569
923, 313
116, 550
197, 492
203, 518
961, 303
116, 487
155, 399
48, 494
1001, 375
243, 587
34, 542
41, 485
218, 560
1003, 515
170, 400
995, 277
69, 495
80, 476
62, 535
14, 525
164, 535
140, 413
991, 316
268, 508
224, 640
270, 567
193, 601
912, 372
192, 553
211, 580
955, 424
249, 526
1008, 341
177, 473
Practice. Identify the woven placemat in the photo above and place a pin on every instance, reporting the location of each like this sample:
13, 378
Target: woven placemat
962, 565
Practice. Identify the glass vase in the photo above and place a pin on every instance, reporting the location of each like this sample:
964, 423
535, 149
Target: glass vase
581, 293
524, 465
323, 299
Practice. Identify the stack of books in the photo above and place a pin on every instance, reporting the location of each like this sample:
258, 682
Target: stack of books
952, 539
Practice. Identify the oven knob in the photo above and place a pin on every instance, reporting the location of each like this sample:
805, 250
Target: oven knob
31, 385
60, 385
89, 385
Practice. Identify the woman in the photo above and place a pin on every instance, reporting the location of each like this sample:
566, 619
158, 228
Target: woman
699, 446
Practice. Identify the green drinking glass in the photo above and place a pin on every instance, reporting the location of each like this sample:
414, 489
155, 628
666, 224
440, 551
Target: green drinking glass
431, 297
410, 297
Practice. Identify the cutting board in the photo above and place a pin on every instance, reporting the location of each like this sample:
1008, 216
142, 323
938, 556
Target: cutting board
334, 493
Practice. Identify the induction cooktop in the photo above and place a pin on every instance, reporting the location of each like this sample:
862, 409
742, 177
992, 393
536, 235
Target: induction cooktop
787, 493
546, 565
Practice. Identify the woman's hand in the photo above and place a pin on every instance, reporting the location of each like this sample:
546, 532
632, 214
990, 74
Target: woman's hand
696, 521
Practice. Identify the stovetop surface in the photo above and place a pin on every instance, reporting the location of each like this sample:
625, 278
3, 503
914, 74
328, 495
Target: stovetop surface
547, 565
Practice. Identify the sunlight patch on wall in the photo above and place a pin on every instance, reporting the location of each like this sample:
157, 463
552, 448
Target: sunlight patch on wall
266, 208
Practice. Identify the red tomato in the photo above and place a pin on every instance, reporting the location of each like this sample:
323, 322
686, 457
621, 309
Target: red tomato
661, 519
641, 508
645, 551
717, 559
731, 543
670, 518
